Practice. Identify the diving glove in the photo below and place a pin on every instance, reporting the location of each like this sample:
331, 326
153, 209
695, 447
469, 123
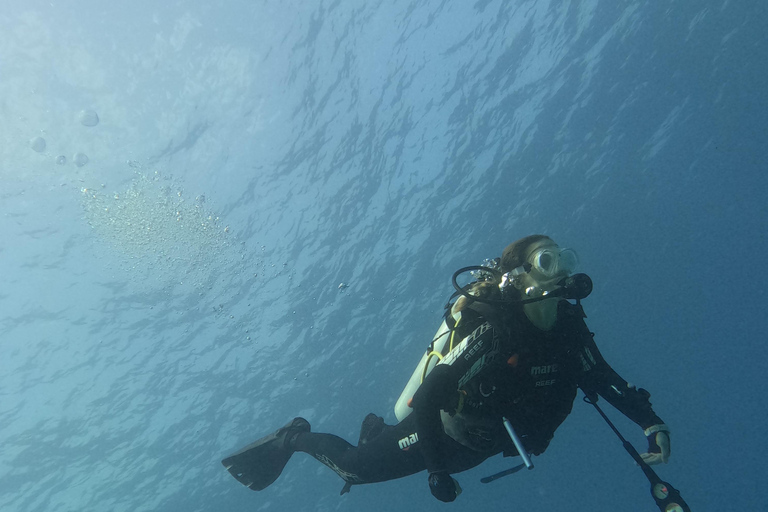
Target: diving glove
443, 486
658, 445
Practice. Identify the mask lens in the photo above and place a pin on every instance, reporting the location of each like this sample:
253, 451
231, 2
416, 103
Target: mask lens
568, 261
550, 262
546, 262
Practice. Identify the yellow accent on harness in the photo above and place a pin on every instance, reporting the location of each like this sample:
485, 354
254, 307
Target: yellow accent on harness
437, 354
434, 353
453, 333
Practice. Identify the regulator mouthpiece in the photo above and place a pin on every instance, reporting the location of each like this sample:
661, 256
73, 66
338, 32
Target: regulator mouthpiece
577, 287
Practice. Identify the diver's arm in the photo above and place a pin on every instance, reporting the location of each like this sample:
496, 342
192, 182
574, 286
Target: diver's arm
440, 392
632, 402
597, 376
437, 392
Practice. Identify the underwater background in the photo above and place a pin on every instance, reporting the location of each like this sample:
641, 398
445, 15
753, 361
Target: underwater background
214, 218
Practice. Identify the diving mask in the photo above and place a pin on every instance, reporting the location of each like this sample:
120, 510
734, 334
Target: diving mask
544, 265
554, 262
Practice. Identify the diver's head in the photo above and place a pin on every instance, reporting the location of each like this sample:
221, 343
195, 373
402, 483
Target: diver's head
534, 266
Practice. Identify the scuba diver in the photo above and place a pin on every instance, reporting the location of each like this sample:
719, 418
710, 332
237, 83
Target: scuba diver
500, 376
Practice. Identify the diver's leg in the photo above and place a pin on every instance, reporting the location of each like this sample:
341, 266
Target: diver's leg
398, 452
384, 453
392, 453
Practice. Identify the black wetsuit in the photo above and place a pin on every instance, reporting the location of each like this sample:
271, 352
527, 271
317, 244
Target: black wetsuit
508, 368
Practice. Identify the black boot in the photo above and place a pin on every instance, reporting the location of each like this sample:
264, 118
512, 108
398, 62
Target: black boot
259, 464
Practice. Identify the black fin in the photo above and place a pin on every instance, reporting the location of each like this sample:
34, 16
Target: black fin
259, 464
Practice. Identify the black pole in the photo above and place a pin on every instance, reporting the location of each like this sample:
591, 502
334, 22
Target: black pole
667, 498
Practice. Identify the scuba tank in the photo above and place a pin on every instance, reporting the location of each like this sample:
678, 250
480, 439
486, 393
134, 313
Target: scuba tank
444, 341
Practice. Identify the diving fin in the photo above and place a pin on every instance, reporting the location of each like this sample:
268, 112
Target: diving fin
259, 464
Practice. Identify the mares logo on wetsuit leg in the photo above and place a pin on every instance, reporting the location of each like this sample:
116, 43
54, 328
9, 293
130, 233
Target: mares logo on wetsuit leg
407, 441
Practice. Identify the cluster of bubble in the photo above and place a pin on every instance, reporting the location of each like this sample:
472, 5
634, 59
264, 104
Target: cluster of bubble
156, 228
493, 264
87, 118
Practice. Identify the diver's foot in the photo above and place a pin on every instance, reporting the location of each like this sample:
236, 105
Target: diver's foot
290, 431
259, 464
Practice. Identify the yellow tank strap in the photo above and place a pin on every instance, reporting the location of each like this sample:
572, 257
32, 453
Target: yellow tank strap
432, 354
437, 354
453, 333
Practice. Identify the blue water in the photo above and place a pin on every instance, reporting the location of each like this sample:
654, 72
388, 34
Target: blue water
178, 295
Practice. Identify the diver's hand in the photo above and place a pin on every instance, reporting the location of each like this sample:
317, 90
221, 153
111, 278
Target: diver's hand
658, 445
443, 486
